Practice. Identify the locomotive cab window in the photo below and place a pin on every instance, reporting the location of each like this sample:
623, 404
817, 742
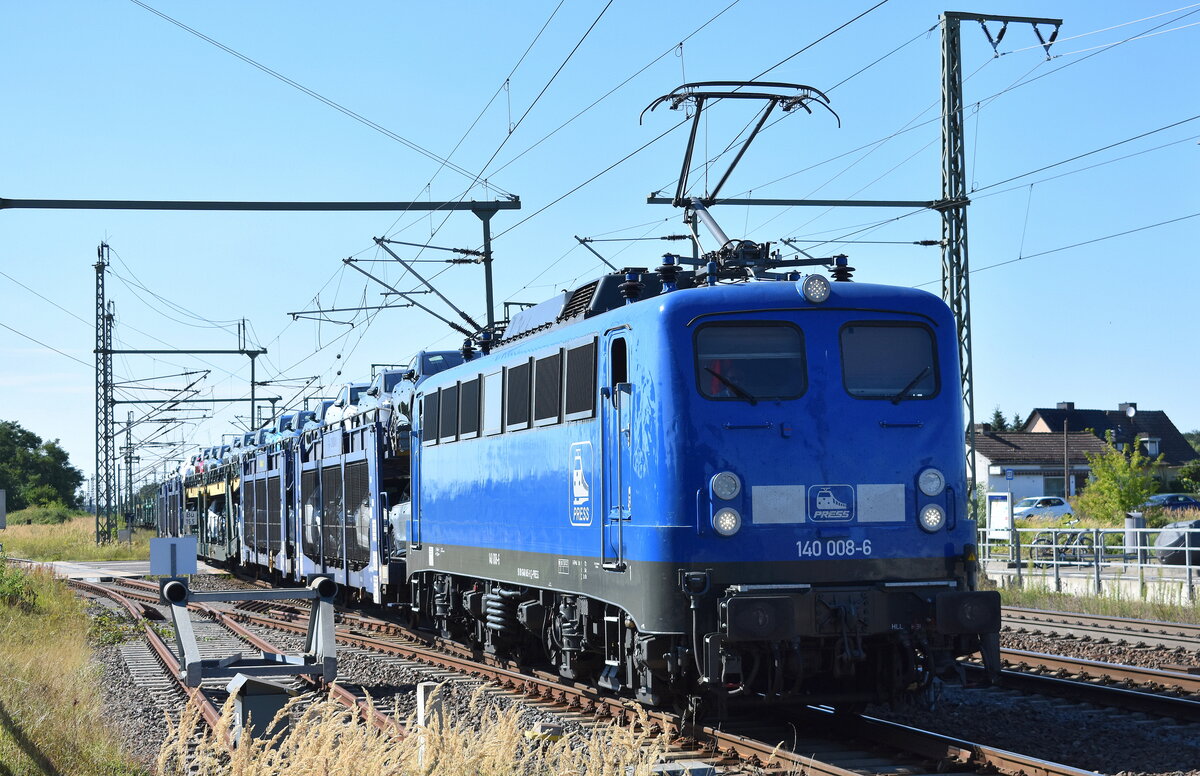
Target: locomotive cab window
894, 361
750, 361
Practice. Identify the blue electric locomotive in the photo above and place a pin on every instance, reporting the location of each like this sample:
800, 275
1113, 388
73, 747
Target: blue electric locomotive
716, 487
713, 487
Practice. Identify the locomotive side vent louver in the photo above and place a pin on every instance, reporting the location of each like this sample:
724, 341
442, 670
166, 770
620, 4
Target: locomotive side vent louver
580, 301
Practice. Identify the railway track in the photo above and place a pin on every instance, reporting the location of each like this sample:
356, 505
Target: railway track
832, 744
1166, 635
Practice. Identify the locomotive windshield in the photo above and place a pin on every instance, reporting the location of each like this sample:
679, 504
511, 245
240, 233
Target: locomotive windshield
750, 361
893, 361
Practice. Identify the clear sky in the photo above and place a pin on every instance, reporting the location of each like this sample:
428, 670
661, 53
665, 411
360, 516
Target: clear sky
1084, 275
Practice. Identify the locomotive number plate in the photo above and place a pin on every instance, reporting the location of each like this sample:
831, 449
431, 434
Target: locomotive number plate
832, 548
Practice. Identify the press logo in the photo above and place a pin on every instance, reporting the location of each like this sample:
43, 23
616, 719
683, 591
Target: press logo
831, 503
581, 483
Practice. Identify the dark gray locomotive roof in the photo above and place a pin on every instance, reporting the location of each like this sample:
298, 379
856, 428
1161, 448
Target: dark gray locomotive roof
598, 296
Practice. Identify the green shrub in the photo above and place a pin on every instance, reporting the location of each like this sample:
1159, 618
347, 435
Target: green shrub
52, 513
16, 589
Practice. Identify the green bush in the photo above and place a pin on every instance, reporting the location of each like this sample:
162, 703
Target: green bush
16, 589
46, 514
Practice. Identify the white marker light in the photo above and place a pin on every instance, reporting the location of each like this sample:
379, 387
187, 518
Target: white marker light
727, 522
726, 485
931, 482
814, 288
932, 518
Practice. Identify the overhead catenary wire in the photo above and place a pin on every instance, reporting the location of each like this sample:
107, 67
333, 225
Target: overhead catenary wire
319, 97
1022, 81
1103, 29
1075, 245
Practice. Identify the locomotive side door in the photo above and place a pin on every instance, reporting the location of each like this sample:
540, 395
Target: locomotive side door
615, 444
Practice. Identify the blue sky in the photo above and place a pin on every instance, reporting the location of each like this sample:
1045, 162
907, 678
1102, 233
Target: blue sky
106, 99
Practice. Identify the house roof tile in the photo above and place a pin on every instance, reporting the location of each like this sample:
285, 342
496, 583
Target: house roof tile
1031, 447
1145, 423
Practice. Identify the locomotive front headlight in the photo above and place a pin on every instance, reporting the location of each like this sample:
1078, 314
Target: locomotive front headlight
727, 521
932, 518
814, 288
726, 485
931, 482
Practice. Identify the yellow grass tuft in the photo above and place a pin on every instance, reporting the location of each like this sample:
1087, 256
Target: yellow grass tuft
327, 739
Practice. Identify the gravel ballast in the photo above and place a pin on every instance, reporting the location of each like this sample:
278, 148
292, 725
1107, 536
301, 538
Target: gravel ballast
1103, 740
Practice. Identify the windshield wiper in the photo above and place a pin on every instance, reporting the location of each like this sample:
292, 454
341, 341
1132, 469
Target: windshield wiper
741, 392
904, 392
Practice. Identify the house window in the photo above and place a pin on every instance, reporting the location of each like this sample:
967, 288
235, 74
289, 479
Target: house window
1151, 447
1053, 486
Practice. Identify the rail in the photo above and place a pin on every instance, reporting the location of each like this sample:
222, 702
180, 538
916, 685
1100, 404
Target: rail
1095, 557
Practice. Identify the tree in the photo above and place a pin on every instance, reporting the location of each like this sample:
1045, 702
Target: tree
34, 472
1120, 482
1017, 422
1189, 476
1193, 438
998, 422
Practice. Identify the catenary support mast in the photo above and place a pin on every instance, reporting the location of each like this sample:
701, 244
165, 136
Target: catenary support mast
956, 272
105, 485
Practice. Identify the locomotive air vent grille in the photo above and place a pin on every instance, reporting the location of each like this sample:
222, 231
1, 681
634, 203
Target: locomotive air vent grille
580, 301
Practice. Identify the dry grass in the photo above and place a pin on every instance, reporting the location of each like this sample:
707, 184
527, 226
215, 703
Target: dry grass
1109, 605
73, 540
51, 720
329, 740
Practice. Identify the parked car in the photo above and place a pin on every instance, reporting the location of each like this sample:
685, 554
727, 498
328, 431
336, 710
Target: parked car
346, 399
305, 420
1177, 541
321, 409
424, 364
1170, 502
379, 394
282, 428
1042, 507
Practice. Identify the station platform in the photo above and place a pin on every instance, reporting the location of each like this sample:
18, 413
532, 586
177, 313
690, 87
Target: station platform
1176, 585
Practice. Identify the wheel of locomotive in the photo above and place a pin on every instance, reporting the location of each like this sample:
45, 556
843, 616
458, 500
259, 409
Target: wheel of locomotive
847, 710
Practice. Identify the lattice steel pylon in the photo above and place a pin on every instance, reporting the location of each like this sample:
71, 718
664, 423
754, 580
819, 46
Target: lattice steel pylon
956, 272
105, 463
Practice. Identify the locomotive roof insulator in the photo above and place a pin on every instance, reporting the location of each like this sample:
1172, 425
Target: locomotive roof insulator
842, 271
631, 289
668, 272
468, 349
